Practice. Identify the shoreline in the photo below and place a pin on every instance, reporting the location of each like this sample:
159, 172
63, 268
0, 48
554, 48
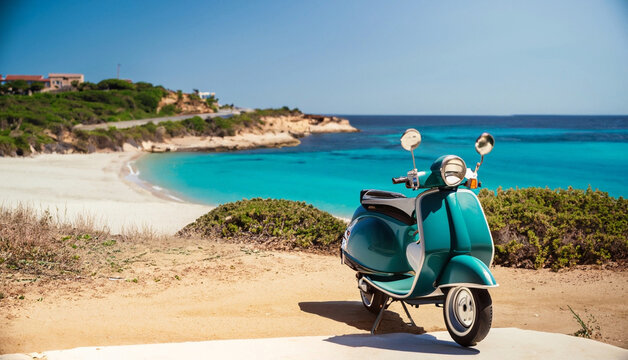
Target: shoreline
130, 174
104, 189
276, 132
93, 188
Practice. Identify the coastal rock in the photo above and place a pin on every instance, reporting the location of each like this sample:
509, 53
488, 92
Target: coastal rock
186, 104
274, 132
305, 124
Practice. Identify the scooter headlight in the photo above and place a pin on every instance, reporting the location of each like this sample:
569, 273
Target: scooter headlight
453, 170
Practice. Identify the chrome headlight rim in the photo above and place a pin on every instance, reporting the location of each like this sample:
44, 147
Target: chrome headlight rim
444, 163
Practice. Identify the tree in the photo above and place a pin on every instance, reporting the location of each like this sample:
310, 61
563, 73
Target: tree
87, 86
36, 87
211, 100
143, 85
18, 86
115, 84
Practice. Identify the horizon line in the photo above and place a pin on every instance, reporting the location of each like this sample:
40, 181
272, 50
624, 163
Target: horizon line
491, 115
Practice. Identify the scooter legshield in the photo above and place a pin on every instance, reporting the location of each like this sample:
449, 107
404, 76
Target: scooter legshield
468, 271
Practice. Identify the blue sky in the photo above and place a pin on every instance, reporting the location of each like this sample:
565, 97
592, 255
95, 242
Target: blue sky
345, 57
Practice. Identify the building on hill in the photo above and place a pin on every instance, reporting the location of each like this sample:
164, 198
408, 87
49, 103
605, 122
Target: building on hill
53, 82
64, 81
205, 94
30, 79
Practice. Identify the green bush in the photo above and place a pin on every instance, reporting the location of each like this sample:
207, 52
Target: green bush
211, 101
536, 228
279, 224
197, 124
148, 100
115, 84
167, 110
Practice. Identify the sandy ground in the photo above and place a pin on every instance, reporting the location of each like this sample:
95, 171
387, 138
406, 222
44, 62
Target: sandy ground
174, 290
187, 290
93, 187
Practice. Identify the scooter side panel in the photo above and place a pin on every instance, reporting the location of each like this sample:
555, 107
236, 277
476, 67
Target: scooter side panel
435, 231
378, 242
477, 226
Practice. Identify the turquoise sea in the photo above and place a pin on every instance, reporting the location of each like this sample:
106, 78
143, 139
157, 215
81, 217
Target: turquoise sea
329, 170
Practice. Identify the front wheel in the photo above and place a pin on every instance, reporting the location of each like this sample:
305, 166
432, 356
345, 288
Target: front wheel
468, 314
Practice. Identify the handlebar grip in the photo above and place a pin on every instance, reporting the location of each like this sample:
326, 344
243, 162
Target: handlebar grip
400, 180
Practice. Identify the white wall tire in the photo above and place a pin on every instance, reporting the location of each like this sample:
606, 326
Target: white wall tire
468, 314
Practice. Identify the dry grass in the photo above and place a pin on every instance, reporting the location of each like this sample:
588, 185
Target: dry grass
45, 244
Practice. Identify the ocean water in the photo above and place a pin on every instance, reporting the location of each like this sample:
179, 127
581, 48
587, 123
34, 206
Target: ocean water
329, 170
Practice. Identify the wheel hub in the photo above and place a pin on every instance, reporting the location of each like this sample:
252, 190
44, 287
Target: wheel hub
464, 309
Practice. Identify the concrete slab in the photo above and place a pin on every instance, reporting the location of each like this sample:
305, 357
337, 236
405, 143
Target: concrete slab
508, 343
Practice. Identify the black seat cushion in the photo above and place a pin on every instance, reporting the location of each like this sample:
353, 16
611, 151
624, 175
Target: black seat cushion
388, 203
380, 194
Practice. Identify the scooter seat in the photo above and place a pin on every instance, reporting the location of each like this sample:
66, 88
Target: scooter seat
392, 204
380, 194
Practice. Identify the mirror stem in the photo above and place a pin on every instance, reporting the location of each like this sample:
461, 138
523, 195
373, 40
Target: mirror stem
413, 163
478, 164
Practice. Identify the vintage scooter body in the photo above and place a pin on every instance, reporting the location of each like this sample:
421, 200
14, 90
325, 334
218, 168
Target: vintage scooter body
435, 248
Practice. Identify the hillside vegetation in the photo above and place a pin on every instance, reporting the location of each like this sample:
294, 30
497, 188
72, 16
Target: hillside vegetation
44, 122
114, 139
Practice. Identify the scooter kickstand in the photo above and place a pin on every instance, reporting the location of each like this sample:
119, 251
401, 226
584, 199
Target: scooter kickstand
408, 313
379, 317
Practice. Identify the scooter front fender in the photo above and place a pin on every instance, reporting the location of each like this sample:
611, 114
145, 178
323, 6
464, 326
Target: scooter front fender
466, 270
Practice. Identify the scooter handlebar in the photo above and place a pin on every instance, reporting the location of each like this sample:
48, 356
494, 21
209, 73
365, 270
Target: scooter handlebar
400, 180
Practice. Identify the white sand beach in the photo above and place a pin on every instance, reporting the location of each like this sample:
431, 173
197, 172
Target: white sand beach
95, 186
103, 188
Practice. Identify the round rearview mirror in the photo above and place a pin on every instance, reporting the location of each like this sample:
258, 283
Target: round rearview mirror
484, 144
410, 139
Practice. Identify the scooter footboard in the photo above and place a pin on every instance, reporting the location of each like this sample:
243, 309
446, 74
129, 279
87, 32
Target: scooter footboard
468, 271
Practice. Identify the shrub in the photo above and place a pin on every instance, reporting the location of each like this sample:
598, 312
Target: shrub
170, 109
148, 100
279, 224
87, 86
115, 84
535, 228
211, 101
196, 124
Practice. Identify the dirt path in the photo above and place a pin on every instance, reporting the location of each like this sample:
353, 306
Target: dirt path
131, 123
202, 291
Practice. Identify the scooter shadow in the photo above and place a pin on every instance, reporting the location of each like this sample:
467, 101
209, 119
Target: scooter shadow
393, 333
354, 314
425, 343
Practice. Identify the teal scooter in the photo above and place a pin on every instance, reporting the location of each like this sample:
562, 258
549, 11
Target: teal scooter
433, 249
